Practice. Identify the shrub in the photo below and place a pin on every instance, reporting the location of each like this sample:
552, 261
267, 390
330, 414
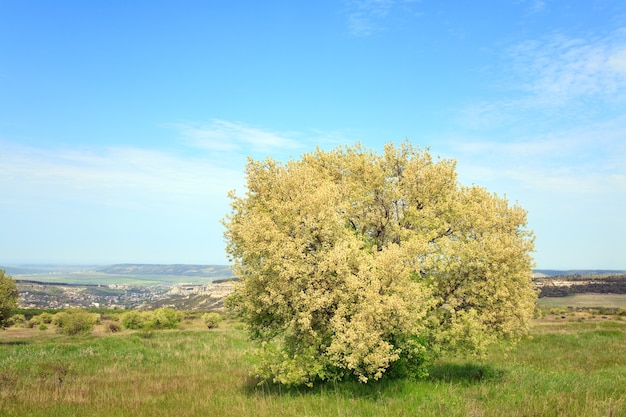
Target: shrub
212, 320
58, 318
557, 311
162, 318
33, 322
45, 318
165, 318
136, 320
16, 320
97, 318
74, 322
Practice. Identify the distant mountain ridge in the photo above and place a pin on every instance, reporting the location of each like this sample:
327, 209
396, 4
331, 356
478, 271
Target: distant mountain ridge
570, 272
168, 269
189, 270
214, 271
28, 269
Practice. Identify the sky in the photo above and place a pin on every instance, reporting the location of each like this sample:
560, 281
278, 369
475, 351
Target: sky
124, 124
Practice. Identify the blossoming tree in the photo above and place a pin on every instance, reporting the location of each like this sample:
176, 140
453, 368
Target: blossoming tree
355, 264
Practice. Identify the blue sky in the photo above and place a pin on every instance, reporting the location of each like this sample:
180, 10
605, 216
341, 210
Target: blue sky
124, 124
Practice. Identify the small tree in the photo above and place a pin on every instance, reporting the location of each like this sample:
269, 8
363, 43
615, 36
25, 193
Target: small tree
365, 265
8, 297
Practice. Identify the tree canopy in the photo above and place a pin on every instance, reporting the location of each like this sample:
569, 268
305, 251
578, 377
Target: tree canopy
355, 264
8, 297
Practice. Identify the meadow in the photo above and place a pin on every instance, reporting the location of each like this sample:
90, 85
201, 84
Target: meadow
586, 300
572, 364
101, 278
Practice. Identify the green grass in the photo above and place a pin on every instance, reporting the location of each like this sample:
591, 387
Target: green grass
565, 368
94, 277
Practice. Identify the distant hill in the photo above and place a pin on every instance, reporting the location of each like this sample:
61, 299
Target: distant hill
215, 271
211, 271
571, 272
11, 270
29, 269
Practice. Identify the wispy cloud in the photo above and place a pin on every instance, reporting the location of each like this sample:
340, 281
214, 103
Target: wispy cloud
122, 176
366, 17
536, 6
558, 125
126, 198
557, 77
226, 136
559, 69
586, 160
208, 162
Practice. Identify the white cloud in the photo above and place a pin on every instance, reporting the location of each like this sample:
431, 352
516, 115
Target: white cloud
559, 69
617, 62
585, 160
556, 78
224, 136
537, 6
365, 16
211, 164
558, 144
122, 176
360, 24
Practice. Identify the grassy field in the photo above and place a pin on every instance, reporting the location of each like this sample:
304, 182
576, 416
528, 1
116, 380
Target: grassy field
570, 366
93, 277
585, 300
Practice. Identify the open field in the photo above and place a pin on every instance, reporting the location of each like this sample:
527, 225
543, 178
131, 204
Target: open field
566, 368
120, 274
585, 300
101, 278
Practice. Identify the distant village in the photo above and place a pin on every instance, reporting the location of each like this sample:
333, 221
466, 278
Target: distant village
121, 296
207, 296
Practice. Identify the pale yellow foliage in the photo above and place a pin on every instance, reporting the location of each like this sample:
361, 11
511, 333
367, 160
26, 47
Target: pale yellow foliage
351, 262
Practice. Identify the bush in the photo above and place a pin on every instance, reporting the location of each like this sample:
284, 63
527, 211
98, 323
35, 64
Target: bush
558, 311
162, 318
136, 320
74, 322
212, 320
165, 318
45, 318
33, 322
16, 320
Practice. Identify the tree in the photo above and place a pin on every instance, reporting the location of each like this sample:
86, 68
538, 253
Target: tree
8, 297
354, 264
